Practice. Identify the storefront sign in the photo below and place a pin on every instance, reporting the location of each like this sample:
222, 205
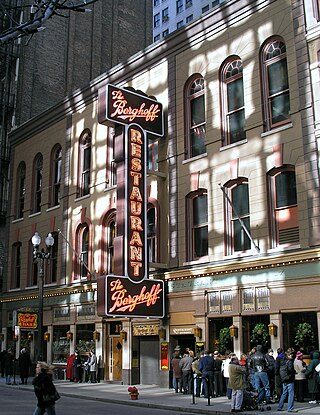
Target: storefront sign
164, 356
125, 106
145, 330
125, 298
181, 330
27, 320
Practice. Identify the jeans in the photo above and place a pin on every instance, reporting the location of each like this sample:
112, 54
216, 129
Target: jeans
236, 399
287, 390
50, 410
262, 378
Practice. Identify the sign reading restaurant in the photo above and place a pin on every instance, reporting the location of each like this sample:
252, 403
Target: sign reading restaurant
133, 294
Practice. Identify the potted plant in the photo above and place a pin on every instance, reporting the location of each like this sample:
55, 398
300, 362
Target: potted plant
260, 335
224, 340
133, 392
304, 337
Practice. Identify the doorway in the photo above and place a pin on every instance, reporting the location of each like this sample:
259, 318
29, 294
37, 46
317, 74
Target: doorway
115, 358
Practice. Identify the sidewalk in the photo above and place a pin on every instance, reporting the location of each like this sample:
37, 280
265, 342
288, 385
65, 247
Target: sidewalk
155, 397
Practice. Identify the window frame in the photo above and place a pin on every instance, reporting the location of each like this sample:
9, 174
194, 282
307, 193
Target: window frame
192, 227
232, 64
21, 190
37, 183
55, 175
153, 236
107, 249
84, 173
16, 265
192, 83
179, 6
81, 273
51, 276
156, 20
267, 96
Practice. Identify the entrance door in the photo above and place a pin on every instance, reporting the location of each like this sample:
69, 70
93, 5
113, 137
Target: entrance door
115, 367
149, 360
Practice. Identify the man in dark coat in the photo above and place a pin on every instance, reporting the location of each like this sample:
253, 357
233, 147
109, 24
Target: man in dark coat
287, 382
206, 366
24, 366
259, 364
8, 366
313, 386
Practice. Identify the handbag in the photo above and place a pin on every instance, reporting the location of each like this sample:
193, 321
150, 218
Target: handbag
51, 397
317, 368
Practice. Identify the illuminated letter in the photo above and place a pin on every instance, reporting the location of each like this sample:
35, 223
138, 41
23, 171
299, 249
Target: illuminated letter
136, 266
135, 208
135, 253
136, 177
135, 194
135, 239
136, 164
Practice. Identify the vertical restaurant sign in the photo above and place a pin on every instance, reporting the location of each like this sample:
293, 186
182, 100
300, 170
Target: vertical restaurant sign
164, 356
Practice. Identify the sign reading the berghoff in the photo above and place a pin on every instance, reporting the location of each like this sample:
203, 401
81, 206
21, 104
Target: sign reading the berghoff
132, 293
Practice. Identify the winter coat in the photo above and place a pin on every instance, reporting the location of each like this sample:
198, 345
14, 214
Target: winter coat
300, 369
177, 372
8, 364
313, 386
186, 363
93, 363
43, 385
236, 376
77, 366
24, 364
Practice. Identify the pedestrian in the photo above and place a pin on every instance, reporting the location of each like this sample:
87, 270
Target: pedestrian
206, 366
236, 383
197, 375
259, 364
93, 367
69, 372
225, 371
77, 367
2, 355
24, 365
313, 387
250, 369
45, 390
186, 368
271, 371
87, 369
287, 378
277, 380
177, 372
217, 375
8, 366
300, 376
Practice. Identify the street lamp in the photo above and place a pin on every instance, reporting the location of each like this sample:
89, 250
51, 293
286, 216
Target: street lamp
41, 255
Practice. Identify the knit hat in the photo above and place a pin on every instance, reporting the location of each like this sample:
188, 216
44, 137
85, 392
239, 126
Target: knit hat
299, 355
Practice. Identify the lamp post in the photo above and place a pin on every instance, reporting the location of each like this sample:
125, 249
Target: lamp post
41, 255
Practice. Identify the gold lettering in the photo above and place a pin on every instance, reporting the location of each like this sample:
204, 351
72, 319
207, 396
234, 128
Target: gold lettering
136, 164
135, 207
135, 253
136, 150
135, 194
136, 268
136, 178
135, 239
136, 223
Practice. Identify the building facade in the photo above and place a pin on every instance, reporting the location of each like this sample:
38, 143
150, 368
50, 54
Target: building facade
233, 201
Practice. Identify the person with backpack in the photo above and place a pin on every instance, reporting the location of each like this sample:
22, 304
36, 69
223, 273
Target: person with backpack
259, 364
313, 378
287, 374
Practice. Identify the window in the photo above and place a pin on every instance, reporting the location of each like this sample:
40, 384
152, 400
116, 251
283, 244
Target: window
205, 8
188, 3
165, 15
156, 20
152, 153
21, 189
283, 207
82, 250
179, 5
151, 234
180, 24
111, 173
215, 3
232, 102
52, 264
195, 117
237, 237
84, 163
32, 266
16, 265
275, 83
316, 9
109, 233
156, 38
165, 33
55, 178
156, 3
197, 205
37, 183
189, 18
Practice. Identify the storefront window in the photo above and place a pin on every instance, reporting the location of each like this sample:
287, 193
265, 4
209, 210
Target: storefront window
84, 339
60, 344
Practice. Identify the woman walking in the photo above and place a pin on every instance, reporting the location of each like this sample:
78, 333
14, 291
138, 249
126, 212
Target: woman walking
44, 390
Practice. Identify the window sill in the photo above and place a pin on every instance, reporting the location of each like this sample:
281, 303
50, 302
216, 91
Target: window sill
156, 173
82, 197
17, 220
202, 260
190, 160
281, 248
107, 189
277, 130
53, 208
238, 143
34, 214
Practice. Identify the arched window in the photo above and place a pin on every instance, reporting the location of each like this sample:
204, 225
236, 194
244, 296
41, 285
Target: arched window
32, 266
55, 175
276, 97
83, 253
111, 165
52, 264
84, 163
195, 116
151, 233
21, 189
284, 223
16, 265
37, 183
108, 235
232, 97
236, 208
197, 230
